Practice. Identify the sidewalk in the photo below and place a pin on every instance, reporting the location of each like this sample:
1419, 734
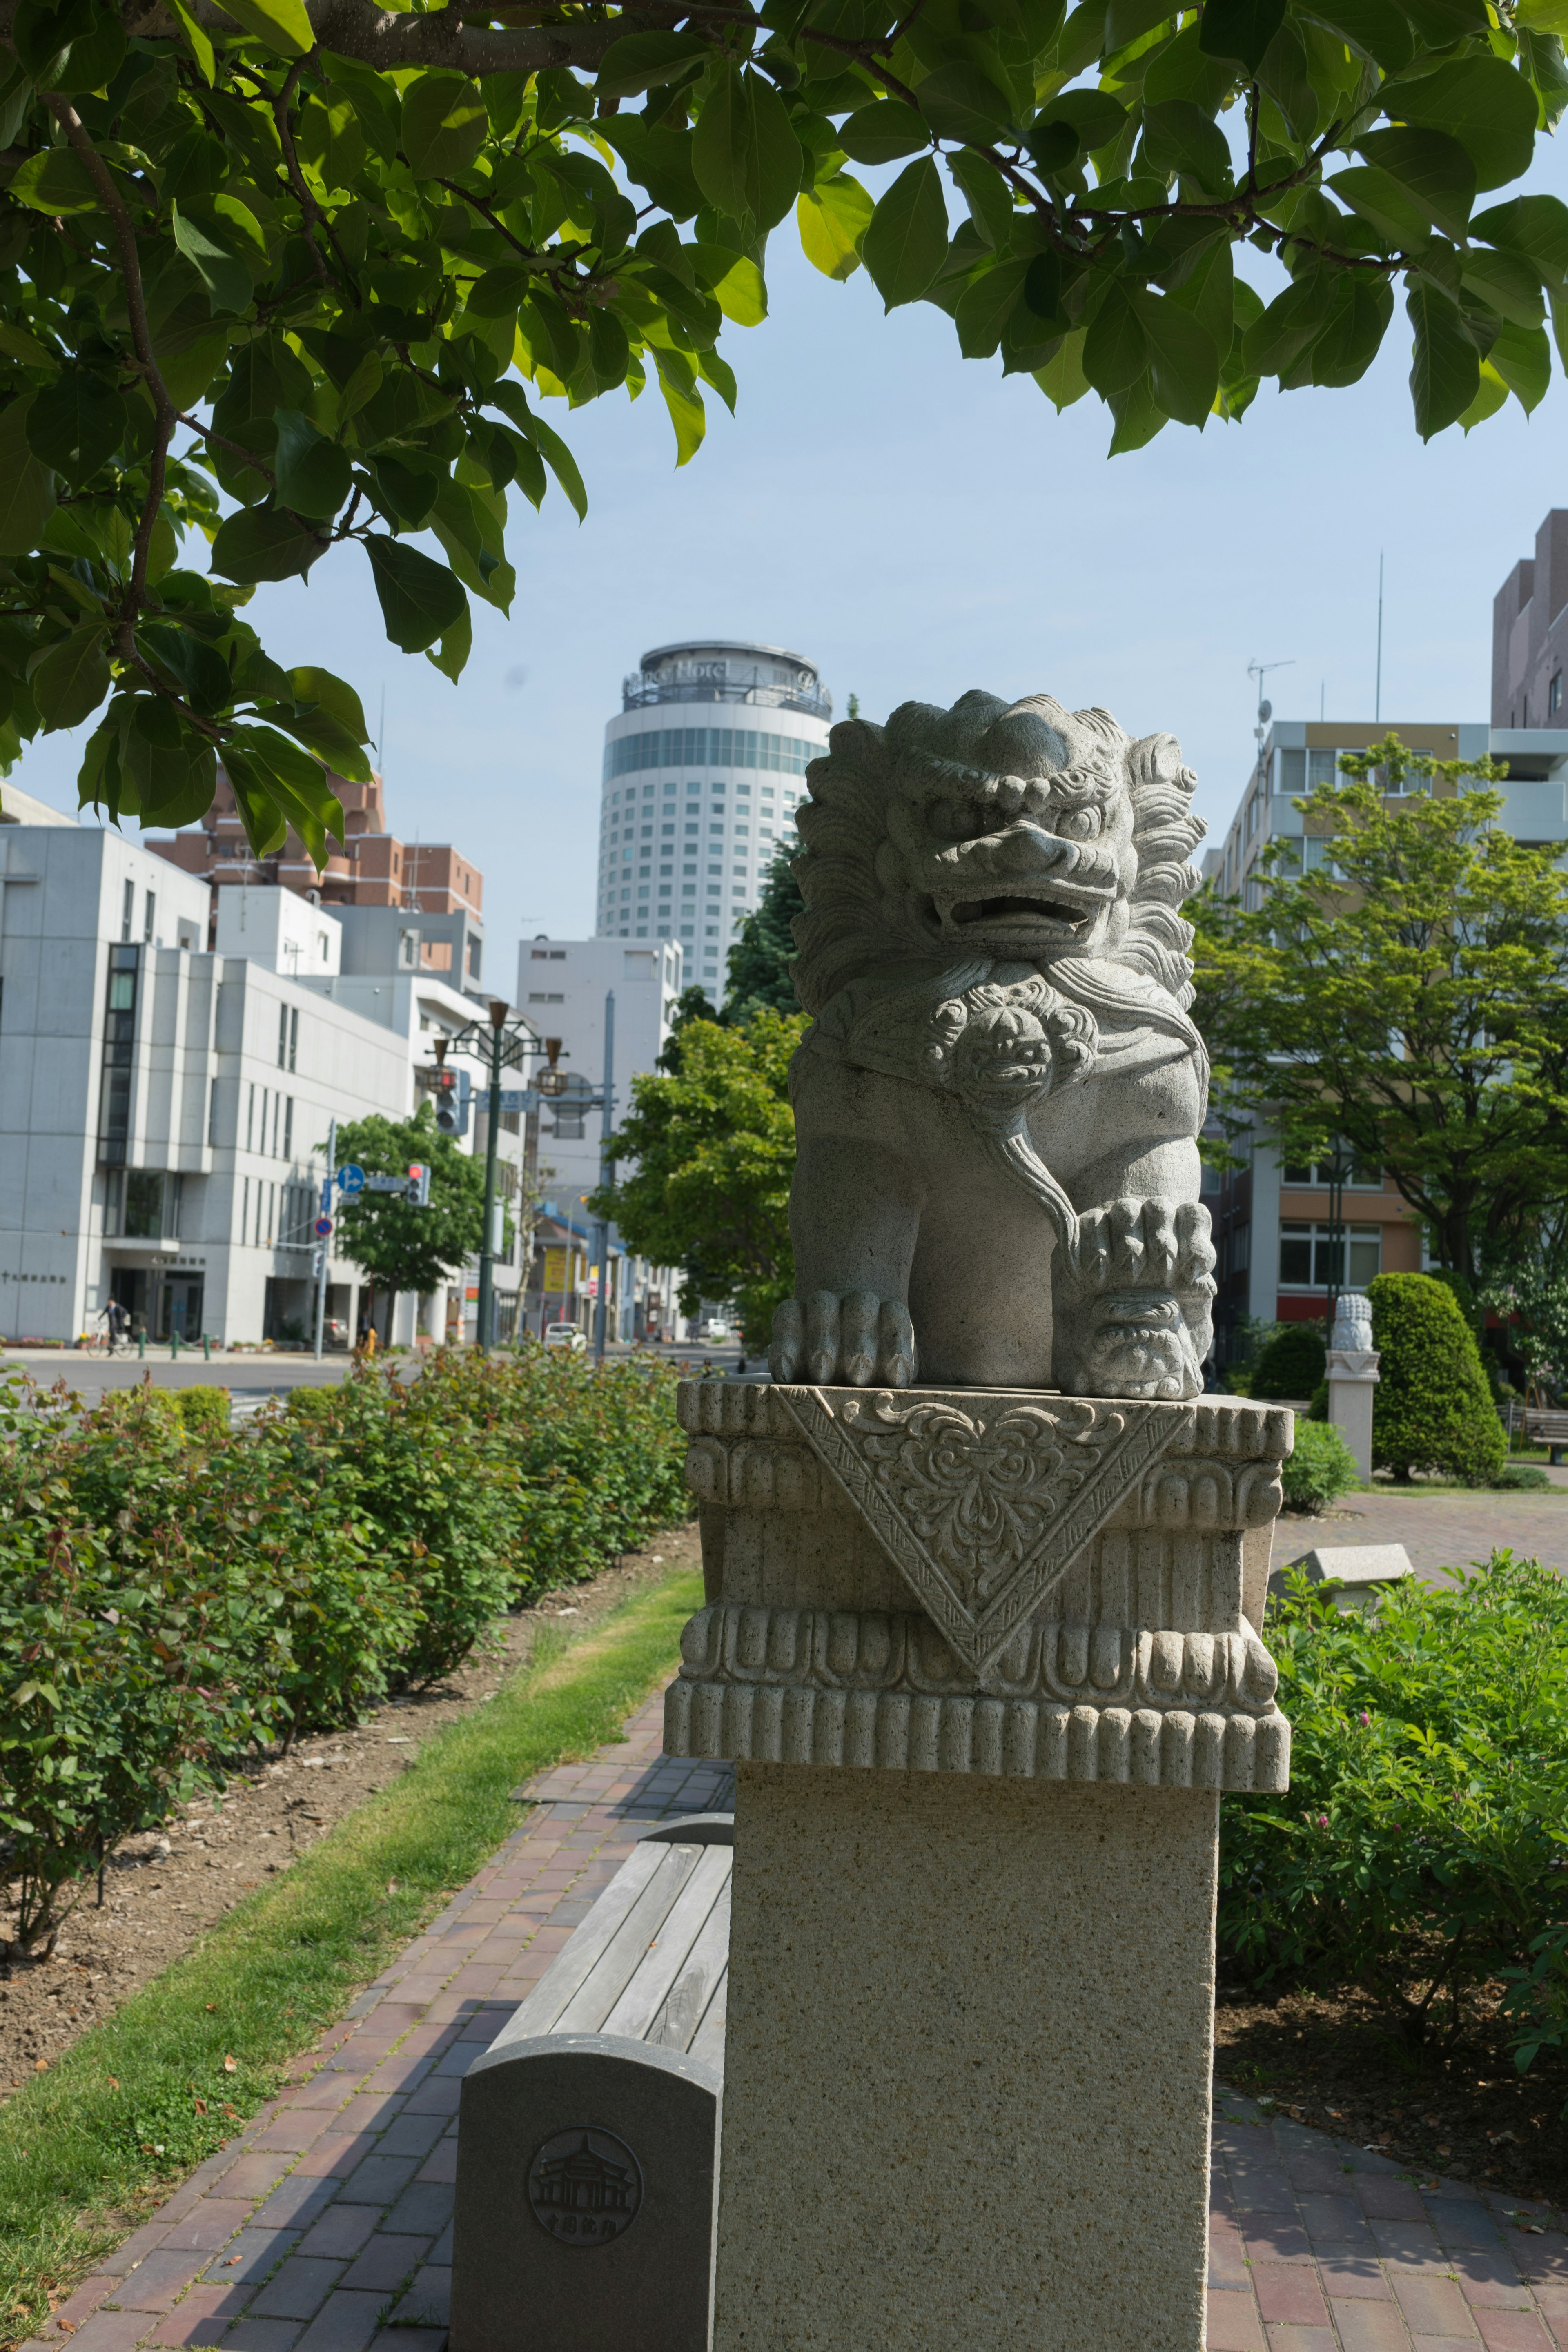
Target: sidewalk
325, 2227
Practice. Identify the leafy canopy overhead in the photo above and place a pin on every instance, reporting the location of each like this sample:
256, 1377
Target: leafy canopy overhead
297, 276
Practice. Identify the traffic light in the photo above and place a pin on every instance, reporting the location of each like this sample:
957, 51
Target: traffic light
451, 1089
419, 1193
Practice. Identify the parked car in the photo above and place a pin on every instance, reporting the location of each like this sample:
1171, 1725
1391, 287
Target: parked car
715, 1332
334, 1332
564, 1335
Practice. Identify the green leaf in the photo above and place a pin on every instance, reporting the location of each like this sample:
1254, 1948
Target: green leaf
18, 344
659, 161
201, 48
906, 243
1376, 29
94, 58
1273, 343
676, 381
1522, 356
1435, 169
420, 601
1536, 226
77, 426
985, 305
1392, 210
881, 132
644, 60
334, 695
265, 828
1179, 137
561, 464
1446, 371
443, 126
72, 678
55, 180
500, 290
745, 155
209, 249
1078, 122
1116, 350
27, 488
1357, 322
281, 23
960, 101
1484, 104
1509, 285
1138, 416
1183, 362
329, 741
1240, 28
1062, 379
294, 782
833, 218
314, 475
264, 543
451, 657
721, 375
987, 194
735, 280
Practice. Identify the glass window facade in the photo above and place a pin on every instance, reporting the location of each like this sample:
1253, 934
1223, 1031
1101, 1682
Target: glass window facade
707, 747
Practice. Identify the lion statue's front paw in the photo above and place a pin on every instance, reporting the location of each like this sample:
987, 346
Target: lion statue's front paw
1139, 1346
858, 1340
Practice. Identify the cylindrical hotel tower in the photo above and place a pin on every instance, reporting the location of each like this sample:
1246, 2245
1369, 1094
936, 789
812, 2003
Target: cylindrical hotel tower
697, 799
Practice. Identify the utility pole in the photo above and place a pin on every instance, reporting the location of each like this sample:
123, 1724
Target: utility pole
485, 1333
602, 1228
326, 1241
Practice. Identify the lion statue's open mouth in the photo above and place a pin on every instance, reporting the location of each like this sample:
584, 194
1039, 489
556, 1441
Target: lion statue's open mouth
998, 1101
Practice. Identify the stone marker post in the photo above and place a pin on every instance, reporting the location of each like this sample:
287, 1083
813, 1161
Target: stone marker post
1353, 1375
985, 1576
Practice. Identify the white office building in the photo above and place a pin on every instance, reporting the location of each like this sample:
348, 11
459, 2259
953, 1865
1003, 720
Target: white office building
704, 768
168, 1108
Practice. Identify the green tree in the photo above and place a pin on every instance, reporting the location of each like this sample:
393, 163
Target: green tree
1408, 995
1431, 1409
762, 961
1290, 1364
398, 1247
330, 262
712, 1151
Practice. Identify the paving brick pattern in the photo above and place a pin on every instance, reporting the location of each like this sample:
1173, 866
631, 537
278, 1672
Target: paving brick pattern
1438, 1531
326, 2226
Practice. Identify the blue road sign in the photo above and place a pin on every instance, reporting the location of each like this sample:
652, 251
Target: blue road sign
323, 1227
351, 1178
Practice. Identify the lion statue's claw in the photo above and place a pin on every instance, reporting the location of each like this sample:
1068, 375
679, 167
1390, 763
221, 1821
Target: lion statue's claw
853, 1340
1140, 1346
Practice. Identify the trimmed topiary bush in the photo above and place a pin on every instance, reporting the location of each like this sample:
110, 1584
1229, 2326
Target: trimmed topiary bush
1320, 1468
1431, 1409
1292, 1362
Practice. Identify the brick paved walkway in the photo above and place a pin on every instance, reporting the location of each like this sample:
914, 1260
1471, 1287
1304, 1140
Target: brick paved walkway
329, 2217
1438, 1530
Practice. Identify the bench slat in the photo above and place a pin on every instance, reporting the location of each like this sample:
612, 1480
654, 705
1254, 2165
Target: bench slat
658, 1967
584, 1945
708, 2041
693, 1993
602, 1987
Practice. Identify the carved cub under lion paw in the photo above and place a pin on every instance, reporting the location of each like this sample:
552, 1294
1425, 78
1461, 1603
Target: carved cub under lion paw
998, 1100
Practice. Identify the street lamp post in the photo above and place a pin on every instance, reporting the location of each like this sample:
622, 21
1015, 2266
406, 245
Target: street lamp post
504, 1047
606, 1169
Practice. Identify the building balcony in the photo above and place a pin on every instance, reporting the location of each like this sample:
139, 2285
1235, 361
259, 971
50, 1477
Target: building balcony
640, 692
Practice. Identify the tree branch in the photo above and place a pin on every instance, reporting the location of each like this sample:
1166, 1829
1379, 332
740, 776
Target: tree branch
376, 37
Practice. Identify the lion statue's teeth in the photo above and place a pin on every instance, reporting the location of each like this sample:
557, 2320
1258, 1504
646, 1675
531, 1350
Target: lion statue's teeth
998, 1099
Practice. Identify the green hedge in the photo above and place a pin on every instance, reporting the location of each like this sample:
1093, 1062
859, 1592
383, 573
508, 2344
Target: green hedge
172, 1590
1420, 1850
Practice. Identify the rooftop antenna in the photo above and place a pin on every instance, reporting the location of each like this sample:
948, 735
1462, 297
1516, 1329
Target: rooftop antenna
1377, 689
1259, 671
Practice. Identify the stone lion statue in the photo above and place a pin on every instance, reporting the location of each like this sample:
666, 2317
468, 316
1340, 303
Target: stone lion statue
998, 1099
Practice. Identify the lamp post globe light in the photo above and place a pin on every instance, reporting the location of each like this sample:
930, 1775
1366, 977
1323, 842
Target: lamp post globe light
704, 766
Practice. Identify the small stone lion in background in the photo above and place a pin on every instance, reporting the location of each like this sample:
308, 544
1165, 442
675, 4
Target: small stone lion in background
997, 1102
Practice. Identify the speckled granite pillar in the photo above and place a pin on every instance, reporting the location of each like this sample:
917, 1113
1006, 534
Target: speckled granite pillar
966, 2093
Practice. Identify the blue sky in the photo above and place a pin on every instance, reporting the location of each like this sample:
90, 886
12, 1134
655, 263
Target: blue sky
918, 525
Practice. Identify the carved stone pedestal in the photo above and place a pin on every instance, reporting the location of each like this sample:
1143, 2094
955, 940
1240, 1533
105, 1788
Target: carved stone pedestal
1353, 1375
985, 1660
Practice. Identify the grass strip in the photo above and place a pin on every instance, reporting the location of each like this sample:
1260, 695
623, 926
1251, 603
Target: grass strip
88, 2149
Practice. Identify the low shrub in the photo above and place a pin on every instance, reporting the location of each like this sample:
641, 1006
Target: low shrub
1431, 1409
1291, 1364
1523, 1477
173, 1590
1320, 1468
1420, 1850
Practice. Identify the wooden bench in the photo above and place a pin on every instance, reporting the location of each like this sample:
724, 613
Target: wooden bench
1544, 1428
588, 2131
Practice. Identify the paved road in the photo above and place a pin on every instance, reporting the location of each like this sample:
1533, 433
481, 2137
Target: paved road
92, 1376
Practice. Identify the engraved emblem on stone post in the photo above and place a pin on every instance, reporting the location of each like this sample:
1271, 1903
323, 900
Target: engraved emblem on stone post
585, 2187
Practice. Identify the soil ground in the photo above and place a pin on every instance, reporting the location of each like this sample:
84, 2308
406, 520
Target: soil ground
1340, 2063
164, 1888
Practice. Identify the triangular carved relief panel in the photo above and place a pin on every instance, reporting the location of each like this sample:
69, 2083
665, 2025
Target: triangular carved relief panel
980, 1498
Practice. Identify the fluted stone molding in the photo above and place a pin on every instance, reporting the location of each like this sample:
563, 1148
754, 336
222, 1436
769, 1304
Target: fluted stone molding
981, 1582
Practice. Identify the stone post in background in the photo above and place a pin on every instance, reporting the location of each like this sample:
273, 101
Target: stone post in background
984, 1575
1353, 1375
